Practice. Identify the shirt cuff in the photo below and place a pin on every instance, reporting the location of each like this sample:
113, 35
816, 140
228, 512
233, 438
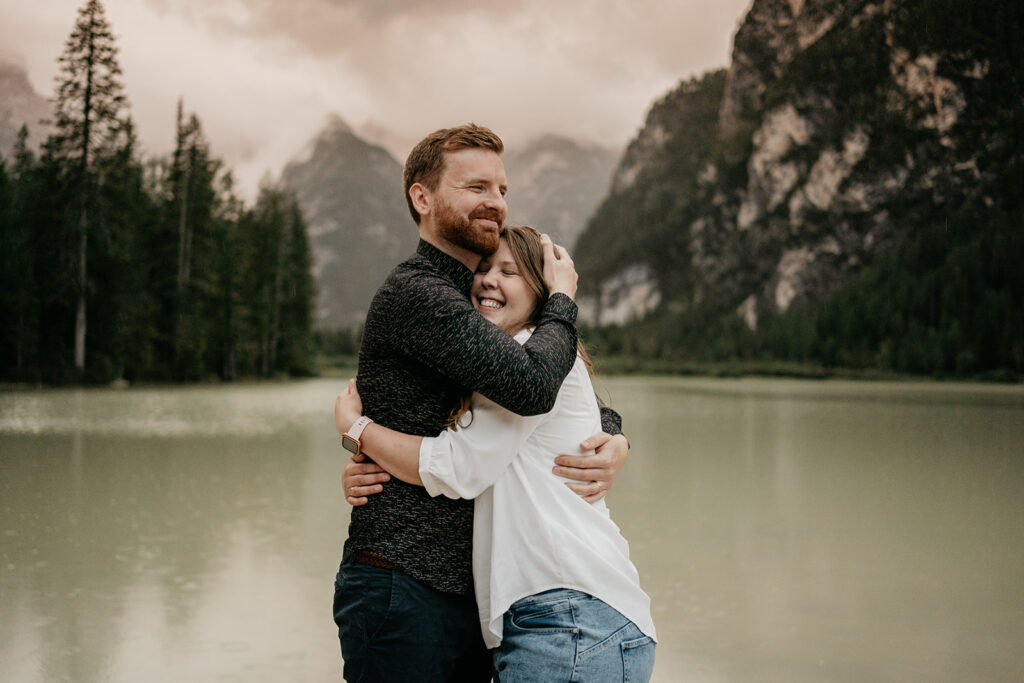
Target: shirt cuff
427, 462
561, 306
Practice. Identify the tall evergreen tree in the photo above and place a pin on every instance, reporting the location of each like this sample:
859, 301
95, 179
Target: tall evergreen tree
193, 207
90, 123
121, 336
18, 196
277, 286
299, 291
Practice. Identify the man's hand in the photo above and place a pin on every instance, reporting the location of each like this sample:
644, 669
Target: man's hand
597, 471
559, 272
362, 478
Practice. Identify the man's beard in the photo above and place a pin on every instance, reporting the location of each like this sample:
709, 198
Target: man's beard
459, 230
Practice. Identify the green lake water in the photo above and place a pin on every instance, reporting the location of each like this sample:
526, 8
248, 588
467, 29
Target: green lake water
787, 531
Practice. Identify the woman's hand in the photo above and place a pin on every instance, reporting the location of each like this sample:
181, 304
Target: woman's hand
559, 272
348, 408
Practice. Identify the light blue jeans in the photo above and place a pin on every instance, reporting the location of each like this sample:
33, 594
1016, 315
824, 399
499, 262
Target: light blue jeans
566, 635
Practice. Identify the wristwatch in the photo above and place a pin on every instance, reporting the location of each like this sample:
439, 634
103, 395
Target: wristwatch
350, 439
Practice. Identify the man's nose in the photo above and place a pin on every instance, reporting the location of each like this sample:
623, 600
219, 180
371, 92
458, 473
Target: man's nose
496, 200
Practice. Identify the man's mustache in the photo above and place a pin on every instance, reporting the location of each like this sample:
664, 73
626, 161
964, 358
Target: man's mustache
488, 214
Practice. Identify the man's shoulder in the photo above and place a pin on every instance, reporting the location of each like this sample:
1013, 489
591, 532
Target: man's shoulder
413, 288
417, 273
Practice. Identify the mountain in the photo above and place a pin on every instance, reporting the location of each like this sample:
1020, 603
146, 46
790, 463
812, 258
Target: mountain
20, 105
350, 193
556, 183
847, 192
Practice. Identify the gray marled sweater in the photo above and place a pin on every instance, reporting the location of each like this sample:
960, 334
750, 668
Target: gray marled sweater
423, 346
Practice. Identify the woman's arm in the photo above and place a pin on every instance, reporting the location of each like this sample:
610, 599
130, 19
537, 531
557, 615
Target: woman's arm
396, 452
463, 463
456, 464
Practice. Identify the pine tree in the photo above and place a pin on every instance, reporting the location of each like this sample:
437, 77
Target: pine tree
121, 330
90, 124
193, 205
276, 285
17, 198
299, 293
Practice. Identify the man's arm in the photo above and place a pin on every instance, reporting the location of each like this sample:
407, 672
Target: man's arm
596, 473
438, 326
458, 464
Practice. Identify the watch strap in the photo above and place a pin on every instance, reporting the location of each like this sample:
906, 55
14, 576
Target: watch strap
356, 430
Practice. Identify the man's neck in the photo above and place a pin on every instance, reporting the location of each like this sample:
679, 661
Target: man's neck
464, 256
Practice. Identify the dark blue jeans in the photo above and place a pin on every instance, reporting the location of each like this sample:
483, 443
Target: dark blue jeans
395, 628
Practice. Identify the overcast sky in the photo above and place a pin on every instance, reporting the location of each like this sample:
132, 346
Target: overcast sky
264, 74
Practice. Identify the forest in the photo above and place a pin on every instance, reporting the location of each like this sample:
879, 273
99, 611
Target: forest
115, 268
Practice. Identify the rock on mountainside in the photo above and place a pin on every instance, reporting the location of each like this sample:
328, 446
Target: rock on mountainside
359, 227
840, 130
20, 105
556, 183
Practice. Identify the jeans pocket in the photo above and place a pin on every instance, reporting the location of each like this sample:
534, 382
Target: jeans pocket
545, 616
638, 659
362, 601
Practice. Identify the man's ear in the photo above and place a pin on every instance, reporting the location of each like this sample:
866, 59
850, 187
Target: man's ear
420, 197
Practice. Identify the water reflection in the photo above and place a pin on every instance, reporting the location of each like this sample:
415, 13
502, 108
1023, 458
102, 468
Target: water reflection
787, 531
818, 531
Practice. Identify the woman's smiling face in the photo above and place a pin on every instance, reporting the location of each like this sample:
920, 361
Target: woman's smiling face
501, 293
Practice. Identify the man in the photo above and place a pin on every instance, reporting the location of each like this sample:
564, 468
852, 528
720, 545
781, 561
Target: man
404, 601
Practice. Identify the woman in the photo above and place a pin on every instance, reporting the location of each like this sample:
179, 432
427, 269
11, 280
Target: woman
558, 597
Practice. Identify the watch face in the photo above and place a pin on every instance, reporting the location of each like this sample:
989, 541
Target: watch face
349, 444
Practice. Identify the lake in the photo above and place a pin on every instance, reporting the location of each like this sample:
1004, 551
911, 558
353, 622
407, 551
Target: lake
787, 531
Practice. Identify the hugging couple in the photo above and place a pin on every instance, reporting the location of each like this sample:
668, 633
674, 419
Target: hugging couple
480, 544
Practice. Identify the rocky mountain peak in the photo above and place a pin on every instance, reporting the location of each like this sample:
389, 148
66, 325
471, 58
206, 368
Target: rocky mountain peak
351, 195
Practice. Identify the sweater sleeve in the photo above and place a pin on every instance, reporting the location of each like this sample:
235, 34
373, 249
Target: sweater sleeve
439, 327
611, 421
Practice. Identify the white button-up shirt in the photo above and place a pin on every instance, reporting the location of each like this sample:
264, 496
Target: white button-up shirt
531, 533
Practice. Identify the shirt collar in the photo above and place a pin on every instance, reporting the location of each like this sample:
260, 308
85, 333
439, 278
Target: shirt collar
447, 265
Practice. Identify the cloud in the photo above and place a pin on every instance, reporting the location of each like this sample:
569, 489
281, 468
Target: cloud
263, 74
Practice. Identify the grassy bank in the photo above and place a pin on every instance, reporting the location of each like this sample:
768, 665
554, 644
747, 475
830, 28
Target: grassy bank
622, 365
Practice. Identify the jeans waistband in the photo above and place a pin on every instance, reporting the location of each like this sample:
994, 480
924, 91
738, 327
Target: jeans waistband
554, 594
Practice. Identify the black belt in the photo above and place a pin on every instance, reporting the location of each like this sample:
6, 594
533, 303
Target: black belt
372, 559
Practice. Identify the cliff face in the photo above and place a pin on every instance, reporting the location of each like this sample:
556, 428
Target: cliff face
837, 130
20, 105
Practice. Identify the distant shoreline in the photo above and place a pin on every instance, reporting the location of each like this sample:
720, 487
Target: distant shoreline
343, 367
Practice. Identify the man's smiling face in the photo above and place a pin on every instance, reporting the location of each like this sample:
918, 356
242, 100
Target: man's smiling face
469, 203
